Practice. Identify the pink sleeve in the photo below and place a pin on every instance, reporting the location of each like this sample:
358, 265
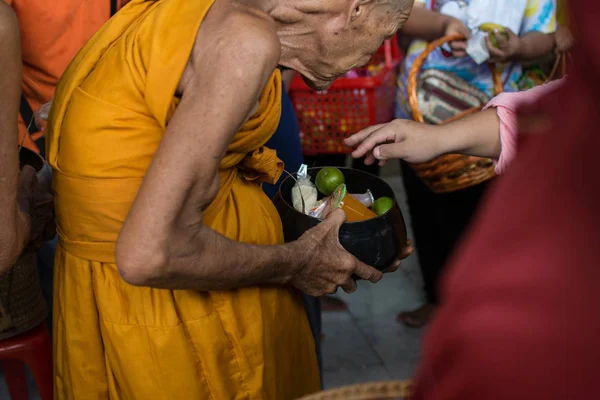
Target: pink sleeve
506, 105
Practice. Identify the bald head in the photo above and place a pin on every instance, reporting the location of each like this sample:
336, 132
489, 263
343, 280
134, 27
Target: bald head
323, 39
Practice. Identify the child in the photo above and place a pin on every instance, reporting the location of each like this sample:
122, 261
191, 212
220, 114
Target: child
491, 133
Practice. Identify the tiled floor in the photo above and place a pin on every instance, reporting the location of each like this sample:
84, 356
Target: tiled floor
366, 343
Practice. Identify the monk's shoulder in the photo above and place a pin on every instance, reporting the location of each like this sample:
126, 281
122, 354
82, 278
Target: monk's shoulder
240, 34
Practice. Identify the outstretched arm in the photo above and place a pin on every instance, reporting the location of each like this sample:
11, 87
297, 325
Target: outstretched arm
491, 133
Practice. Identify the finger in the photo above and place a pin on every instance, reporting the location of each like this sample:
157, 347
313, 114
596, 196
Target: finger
358, 137
370, 158
349, 286
500, 39
493, 50
392, 268
366, 272
458, 45
407, 251
385, 134
387, 151
335, 220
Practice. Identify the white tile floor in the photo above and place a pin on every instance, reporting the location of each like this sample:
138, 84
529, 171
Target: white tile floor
365, 343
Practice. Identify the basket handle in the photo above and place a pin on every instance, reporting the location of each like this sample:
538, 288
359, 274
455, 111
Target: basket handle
560, 62
413, 74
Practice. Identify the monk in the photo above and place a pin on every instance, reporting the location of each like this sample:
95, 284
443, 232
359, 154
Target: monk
172, 279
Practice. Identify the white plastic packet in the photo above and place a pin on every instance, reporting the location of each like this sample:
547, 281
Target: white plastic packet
304, 192
477, 47
41, 115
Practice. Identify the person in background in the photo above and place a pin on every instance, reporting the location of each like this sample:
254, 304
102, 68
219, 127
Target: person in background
286, 141
519, 316
25, 209
438, 220
491, 133
51, 35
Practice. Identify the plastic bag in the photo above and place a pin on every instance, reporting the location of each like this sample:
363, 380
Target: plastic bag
304, 192
41, 115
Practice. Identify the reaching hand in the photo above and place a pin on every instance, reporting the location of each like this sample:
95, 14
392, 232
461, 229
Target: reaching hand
329, 264
409, 140
507, 48
457, 27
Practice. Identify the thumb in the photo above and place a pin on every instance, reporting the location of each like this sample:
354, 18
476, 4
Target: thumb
387, 151
335, 220
366, 272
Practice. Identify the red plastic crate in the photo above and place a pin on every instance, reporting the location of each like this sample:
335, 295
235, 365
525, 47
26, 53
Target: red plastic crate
349, 105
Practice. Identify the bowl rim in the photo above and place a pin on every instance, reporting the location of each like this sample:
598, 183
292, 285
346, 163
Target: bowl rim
341, 169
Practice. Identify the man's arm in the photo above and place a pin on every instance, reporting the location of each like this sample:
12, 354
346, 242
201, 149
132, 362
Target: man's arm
164, 242
428, 25
535, 45
14, 226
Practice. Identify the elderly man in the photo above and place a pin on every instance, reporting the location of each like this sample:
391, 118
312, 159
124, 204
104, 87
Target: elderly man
172, 279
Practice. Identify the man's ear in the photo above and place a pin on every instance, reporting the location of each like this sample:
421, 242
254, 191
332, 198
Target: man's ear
357, 8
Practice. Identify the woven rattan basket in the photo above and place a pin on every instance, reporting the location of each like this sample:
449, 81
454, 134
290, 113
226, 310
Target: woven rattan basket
392, 390
450, 172
22, 306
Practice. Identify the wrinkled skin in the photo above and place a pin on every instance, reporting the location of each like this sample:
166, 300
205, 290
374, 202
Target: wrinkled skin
342, 37
238, 45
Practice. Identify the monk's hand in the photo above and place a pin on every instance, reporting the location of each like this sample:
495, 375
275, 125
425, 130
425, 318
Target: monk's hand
407, 250
326, 264
409, 140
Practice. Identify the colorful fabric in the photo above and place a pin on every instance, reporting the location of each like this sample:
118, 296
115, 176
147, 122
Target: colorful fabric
562, 12
507, 105
113, 340
539, 16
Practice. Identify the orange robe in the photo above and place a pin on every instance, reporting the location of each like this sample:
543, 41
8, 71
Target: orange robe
113, 340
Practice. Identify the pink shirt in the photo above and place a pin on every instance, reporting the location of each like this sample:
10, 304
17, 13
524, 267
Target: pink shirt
506, 105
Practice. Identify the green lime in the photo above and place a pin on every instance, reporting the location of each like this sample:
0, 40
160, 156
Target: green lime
382, 205
328, 179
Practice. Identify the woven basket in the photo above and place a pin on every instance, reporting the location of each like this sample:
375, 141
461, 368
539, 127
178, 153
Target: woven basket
22, 306
392, 390
450, 172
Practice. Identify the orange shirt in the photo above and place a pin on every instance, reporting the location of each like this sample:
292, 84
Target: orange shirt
51, 34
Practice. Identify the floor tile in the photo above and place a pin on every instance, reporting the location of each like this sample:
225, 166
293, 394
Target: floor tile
354, 376
397, 345
345, 347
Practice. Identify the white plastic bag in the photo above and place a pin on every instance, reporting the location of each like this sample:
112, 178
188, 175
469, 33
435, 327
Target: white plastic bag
304, 192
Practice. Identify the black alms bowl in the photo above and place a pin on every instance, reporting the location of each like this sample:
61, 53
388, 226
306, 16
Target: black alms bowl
377, 242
